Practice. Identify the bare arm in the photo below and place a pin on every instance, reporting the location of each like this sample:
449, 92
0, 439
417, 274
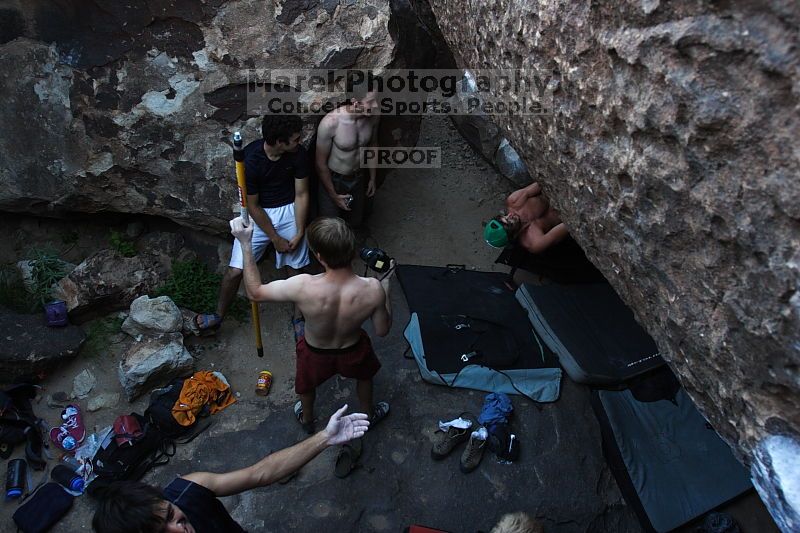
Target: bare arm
382, 316
324, 141
259, 216
536, 242
518, 197
278, 465
373, 171
268, 470
300, 209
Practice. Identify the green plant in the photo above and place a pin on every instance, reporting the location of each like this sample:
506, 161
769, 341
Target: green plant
122, 244
46, 269
193, 286
98, 335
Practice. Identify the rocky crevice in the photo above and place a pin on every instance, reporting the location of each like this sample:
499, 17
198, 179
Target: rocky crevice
670, 154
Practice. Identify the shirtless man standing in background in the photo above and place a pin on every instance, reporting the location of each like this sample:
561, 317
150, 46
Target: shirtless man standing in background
343, 185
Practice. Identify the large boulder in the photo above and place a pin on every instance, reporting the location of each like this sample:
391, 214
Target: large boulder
670, 153
152, 316
776, 477
31, 349
136, 101
107, 281
153, 362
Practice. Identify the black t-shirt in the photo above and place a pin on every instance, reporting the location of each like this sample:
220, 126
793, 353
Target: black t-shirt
273, 181
204, 511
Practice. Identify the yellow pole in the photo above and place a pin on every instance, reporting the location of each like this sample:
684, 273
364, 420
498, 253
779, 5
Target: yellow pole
238, 157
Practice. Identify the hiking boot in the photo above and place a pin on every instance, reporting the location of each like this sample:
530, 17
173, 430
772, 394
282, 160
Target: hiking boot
473, 453
379, 412
308, 427
448, 440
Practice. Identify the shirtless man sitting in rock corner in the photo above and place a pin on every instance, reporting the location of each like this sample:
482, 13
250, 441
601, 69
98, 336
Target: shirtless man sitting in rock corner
343, 185
529, 220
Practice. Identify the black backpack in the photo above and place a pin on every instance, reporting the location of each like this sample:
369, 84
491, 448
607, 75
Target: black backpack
129, 461
159, 412
154, 447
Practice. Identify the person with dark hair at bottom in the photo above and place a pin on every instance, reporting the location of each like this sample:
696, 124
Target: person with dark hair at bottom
529, 220
336, 304
189, 504
277, 170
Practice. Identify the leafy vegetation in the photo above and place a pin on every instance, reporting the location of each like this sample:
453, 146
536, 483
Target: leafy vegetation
98, 335
46, 269
193, 286
122, 244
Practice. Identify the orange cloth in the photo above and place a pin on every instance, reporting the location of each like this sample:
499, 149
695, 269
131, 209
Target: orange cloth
203, 388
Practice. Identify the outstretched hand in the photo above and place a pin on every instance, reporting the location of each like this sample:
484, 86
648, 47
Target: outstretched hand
242, 231
341, 429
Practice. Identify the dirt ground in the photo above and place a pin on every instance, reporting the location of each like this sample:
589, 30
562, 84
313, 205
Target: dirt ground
430, 217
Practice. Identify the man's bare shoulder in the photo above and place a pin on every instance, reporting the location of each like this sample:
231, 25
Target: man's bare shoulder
299, 281
331, 119
372, 286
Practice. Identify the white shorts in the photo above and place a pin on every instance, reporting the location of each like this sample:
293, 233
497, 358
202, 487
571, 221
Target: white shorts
282, 219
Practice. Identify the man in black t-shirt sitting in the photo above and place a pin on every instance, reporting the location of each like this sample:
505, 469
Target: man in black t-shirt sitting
277, 170
189, 504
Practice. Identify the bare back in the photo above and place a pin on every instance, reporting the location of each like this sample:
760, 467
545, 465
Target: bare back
335, 307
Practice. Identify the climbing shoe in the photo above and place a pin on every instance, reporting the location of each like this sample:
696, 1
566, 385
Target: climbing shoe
450, 435
473, 453
308, 427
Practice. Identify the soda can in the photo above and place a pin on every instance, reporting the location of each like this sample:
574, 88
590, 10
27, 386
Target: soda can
264, 382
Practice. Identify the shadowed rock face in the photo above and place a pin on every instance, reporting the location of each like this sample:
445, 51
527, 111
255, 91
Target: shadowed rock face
671, 154
129, 106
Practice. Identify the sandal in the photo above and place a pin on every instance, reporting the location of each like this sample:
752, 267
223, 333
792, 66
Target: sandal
347, 458
308, 427
207, 322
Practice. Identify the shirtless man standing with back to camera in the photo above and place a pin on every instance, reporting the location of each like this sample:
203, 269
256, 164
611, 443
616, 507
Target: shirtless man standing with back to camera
343, 185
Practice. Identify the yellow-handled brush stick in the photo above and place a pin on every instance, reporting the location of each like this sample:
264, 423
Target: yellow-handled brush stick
238, 157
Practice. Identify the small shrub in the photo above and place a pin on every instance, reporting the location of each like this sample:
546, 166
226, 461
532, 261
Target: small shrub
122, 244
98, 335
193, 286
47, 269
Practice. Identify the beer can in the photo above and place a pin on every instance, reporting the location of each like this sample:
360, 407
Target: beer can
264, 382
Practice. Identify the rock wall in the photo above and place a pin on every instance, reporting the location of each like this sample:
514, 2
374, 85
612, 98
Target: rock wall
672, 155
129, 106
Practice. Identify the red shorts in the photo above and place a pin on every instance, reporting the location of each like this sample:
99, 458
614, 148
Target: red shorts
316, 365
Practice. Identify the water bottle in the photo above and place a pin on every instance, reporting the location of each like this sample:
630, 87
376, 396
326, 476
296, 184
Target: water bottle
67, 478
72, 462
15, 478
